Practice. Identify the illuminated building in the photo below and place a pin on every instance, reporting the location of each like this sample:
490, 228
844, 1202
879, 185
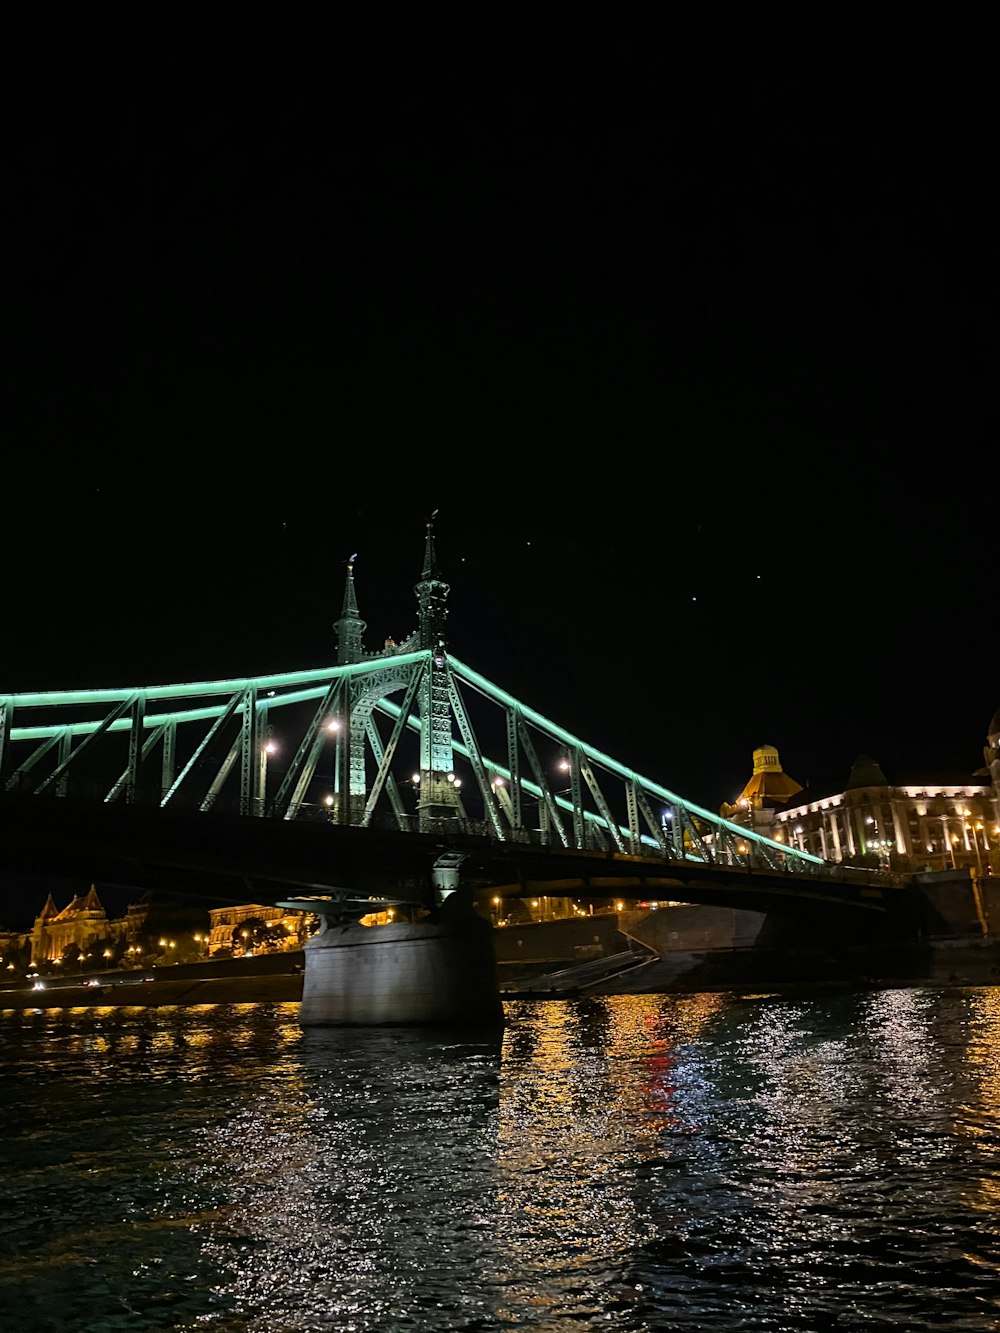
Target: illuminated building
229, 928
907, 828
82, 922
770, 784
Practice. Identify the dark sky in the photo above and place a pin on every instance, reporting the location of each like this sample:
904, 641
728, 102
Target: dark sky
700, 377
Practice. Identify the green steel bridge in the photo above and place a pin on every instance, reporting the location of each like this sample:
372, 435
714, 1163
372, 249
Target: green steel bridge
386, 768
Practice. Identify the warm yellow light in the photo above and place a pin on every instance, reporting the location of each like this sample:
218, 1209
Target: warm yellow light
619, 907
496, 902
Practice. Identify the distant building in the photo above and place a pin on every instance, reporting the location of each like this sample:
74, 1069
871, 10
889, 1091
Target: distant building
11, 943
769, 786
907, 828
228, 927
82, 922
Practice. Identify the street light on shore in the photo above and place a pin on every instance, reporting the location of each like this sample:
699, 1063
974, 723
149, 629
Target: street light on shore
971, 828
881, 846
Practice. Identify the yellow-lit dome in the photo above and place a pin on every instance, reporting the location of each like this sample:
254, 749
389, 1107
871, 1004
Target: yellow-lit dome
770, 785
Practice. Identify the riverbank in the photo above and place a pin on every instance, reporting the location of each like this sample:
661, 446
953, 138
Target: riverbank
277, 979
235, 989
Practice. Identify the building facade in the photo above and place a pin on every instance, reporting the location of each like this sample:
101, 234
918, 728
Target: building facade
905, 828
82, 922
232, 929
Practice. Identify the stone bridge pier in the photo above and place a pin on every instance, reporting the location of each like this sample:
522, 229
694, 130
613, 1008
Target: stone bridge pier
437, 971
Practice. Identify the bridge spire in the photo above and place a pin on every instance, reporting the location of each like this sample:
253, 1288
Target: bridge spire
438, 797
350, 627
430, 557
432, 593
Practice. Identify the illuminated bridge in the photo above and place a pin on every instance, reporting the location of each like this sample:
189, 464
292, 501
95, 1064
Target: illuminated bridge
385, 774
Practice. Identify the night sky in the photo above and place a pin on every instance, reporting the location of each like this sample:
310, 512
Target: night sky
696, 377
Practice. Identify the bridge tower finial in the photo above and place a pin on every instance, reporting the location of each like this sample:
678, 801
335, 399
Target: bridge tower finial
430, 558
432, 593
350, 627
438, 797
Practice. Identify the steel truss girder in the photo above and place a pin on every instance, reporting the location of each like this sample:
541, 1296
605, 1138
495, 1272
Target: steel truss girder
475, 757
434, 680
388, 781
550, 806
39, 753
602, 805
215, 730
514, 767
6, 722
67, 754
637, 801
384, 760
293, 785
126, 783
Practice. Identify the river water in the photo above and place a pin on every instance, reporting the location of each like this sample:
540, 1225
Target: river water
655, 1162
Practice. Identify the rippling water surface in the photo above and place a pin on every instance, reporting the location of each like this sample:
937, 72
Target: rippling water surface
649, 1162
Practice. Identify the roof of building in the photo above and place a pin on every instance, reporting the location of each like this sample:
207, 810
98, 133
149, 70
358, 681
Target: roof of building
87, 902
49, 910
770, 783
865, 772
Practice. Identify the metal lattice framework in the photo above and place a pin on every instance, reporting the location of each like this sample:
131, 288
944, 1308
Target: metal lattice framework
354, 749
408, 738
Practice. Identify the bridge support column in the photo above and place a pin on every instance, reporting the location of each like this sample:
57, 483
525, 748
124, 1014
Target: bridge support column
428, 973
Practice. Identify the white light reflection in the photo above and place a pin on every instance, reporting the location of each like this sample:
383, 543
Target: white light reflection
366, 1190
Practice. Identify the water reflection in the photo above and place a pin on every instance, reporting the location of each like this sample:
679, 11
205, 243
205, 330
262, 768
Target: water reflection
695, 1162
350, 1193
